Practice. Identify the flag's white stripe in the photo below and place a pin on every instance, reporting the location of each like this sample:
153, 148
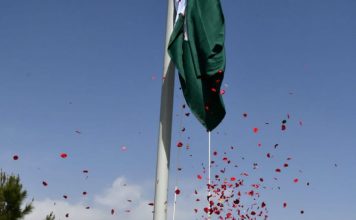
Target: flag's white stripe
180, 7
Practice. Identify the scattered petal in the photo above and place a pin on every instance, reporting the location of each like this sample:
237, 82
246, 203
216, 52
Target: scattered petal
179, 144
177, 191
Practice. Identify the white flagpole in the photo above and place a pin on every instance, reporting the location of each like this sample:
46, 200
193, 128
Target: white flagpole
165, 126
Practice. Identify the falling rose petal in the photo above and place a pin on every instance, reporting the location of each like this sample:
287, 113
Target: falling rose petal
255, 130
284, 205
67, 215
278, 170
263, 205
179, 144
286, 165
195, 210
64, 155
213, 89
123, 148
85, 171
222, 92
199, 177
177, 191
78, 132
151, 204
300, 123
84, 193
244, 174
268, 155
127, 210
112, 211
296, 180
15, 157
206, 209
245, 115
283, 127
251, 193
65, 196
259, 145
301, 211
233, 178
44, 183
256, 186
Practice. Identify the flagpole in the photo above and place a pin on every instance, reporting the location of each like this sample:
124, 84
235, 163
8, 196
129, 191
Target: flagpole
165, 126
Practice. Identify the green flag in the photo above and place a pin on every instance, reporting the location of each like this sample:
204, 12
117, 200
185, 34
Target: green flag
197, 49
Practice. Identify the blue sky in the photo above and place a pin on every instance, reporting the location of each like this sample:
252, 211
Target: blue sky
95, 67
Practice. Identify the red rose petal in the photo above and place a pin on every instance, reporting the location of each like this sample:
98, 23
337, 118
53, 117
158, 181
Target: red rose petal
177, 191
283, 127
179, 144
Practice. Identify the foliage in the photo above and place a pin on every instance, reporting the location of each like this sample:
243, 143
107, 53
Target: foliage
11, 198
51, 216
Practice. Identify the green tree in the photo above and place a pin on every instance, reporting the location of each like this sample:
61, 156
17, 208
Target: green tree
11, 198
51, 216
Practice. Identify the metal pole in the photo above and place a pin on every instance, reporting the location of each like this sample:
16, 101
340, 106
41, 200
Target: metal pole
165, 126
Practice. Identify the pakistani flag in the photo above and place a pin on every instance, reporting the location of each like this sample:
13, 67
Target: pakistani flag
197, 49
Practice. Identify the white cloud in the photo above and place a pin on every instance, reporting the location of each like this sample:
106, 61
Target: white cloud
119, 194
116, 197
